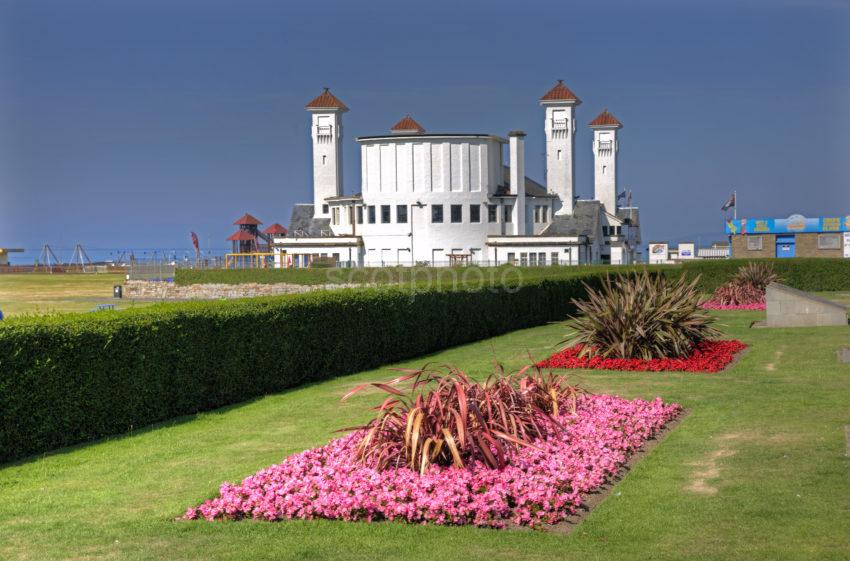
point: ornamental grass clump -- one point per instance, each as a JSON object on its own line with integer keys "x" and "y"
{"x": 446, "y": 418}
{"x": 746, "y": 290}
{"x": 641, "y": 316}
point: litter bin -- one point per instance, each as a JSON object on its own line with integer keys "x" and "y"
{"x": 117, "y": 291}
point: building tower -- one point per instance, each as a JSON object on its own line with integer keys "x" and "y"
{"x": 326, "y": 131}
{"x": 605, "y": 150}
{"x": 559, "y": 104}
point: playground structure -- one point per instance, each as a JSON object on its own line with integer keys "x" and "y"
{"x": 4, "y": 254}
{"x": 251, "y": 247}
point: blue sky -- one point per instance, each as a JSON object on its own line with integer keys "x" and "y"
{"x": 130, "y": 124}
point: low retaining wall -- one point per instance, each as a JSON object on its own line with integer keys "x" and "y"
{"x": 170, "y": 291}
{"x": 789, "y": 307}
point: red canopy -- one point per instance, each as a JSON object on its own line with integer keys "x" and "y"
{"x": 275, "y": 229}
{"x": 241, "y": 236}
{"x": 247, "y": 219}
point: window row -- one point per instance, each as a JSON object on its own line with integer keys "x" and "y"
{"x": 456, "y": 214}
{"x": 533, "y": 259}
{"x": 612, "y": 230}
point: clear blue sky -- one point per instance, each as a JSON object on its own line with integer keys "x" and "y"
{"x": 129, "y": 124}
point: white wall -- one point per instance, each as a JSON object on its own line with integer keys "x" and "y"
{"x": 326, "y": 132}
{"x": 605, "y": 150}
{"x": 559, "y": 127}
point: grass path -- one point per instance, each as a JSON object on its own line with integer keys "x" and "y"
{"x": 757, "y": 470}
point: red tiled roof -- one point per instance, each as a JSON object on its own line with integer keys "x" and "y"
{"x": 560, "y": 92}
{"x": 240, "y": 236}
{"x": 326, "y": 100}
{"x": 605, "y": 119}
{"x": 407, "y": 124}
{"x": 247, "y": 219}
{"x": 275, "y": 229}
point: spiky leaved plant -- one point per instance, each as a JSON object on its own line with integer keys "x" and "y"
{"x": 756, "y": 274}
{"x": 641, "y": 316}
{"x": 446, "y": 418}
{"x": 747, "y": 286}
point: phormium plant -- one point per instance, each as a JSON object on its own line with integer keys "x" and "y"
{"x": 747, "y": 286}
{"x": 641, "y": 316}
{"x": 447, "y": 418}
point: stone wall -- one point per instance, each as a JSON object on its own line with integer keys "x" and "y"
{"x": 740, "y": 251}
{"x": 789, "y": 307}
{"x": 807, "y": 246}
{"x": 153, "y": 290}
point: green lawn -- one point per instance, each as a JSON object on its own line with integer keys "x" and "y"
{"x": 757, "y": 470}
{"x": 39, "y": 293}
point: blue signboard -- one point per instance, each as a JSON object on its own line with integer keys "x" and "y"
{"x": 794, "y": 224}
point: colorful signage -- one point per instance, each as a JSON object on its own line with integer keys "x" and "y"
{"x": 794, "y": 224}
{"x": 847, "y": 245}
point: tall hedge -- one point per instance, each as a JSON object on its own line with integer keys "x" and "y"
{"x": 71, "y": 378}
{"x": 811, "y": 274}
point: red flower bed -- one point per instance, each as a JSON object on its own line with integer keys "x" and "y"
{"x": 708, "y": 356}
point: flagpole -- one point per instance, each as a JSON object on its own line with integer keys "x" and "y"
{"x": 735, "y": 212}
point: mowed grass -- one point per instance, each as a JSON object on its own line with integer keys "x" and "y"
{"x": 756, "y": 470}
{"x": 41, "y": 293}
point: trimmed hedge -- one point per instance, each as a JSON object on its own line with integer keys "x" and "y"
{"x": 71, "y": 378}
{"x": 812, "y": 274}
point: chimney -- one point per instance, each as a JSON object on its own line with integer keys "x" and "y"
{"x": 516, "y": 148}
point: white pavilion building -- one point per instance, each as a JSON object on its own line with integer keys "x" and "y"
{"x": 449, "y": 198}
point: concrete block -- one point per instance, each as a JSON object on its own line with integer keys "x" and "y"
{"x": 789, "y": 307}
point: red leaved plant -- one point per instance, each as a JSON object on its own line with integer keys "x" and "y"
{"x": 446, "y": 418}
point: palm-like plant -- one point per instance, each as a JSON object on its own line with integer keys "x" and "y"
{"x": 641, "y": 316}
{"x": 446, "y": 418}
{"x": 755, "y": 274}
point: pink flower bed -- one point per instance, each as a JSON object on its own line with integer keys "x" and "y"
{"x": 715, "y": 305}
{"x": 539, "y": 486}
{"x": 708, "y": 356}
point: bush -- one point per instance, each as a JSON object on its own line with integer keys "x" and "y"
{"x": 810, "y": 274}
{"x": 644, "y": 316}
{"x": 70, "y": 378}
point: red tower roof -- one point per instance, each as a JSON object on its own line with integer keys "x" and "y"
{"x": 605, "y": 119}
{"x": 275, "y": 229}
{"x": 326, "y": 100}
{"x": 560, "y": 92}
{"x": 407, "y": 124}
{"x": 247, "y": 219}
{"x": 241, "y": 236}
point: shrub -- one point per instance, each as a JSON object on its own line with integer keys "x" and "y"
{"x": 811, "y": 274}
{"x": 745, "y": 289}
{"x": 756, "y": 274}
{"x": 446, "y": 418}
{"x": 641, "y": 316}
{"x": 70, "y": 378}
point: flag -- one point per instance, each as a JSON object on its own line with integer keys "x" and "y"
{"x": 195, "y": 242}
{"x": 729, "y": 204}
{"x": 621, "y": 195}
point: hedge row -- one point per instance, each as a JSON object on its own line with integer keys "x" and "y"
{"x": 813, "y": 274}
{"x": 71, "y": 378}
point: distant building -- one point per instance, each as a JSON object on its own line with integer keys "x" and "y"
{"x": 449, "y": 198}
{"x": 795, "y": 236}
{"x": 4, "y": 254}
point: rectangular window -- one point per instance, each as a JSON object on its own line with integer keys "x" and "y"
{"x": 506, "y": 216}
{"x": 511, "y": 258}
{"x": 541, "y": 258}
{"x": 324, "y": 209}
{"x": 523, "y": 260}
{"x": 829, "y": 241}
{"x": 544, "y": 214}
{"x": 371, "y": 209}
{"x": 401, "y": 214}
{"x": 335, "y": 216}
{"x": 754, "y": 243}
{"x": 532, "y": 259}
{"x": 457, "y": 213}
{"x": 604, "y": 230}
{"x": 475, "y": 213}
{"x": 536, "y": 214}
{"x": 360, "y": 215}
{"x": 554, "y": 256}
{"x": 385, "y": 214}
{"x": 492, "y": 213}
{"x": 437, "y": 214}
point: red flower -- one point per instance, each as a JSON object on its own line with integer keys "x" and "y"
{"x": 708, "y": 356}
